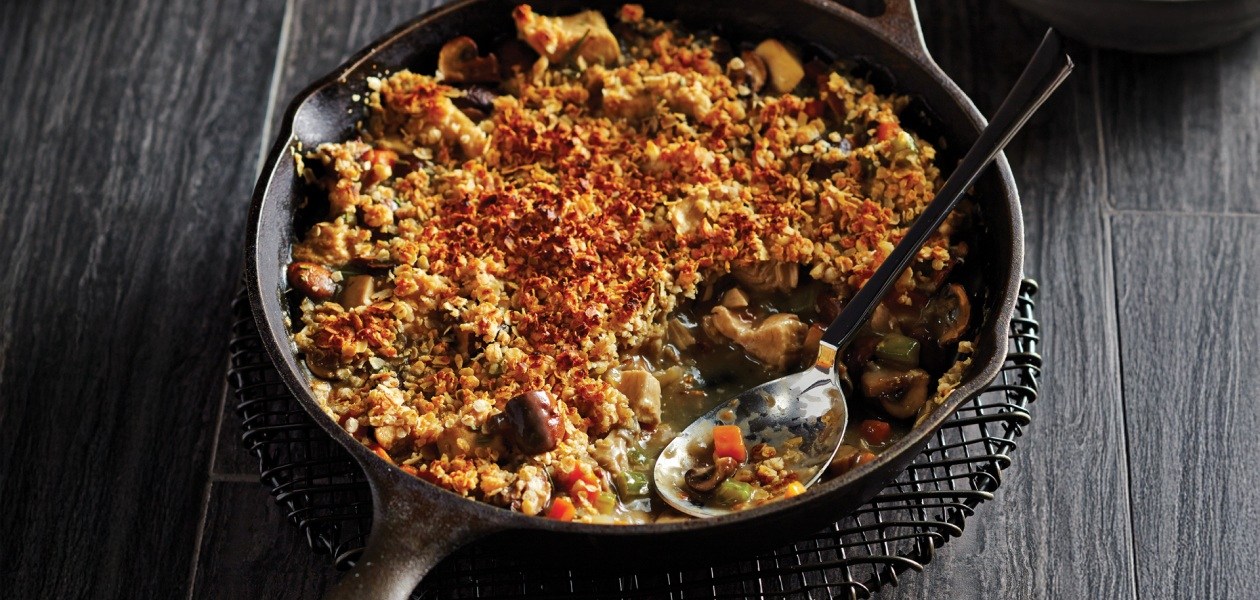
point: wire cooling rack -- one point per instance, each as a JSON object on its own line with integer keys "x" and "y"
{"x": 325, "y": 494}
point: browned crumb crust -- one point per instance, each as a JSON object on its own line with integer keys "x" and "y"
{"x": 534, "y": 247}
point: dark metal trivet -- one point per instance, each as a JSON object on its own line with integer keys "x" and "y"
{"x": 326, "y": 495}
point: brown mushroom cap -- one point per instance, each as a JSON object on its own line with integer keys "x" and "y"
{"x": 750, "y": 71}
{"x": 530, "y": 422}
{"x": 706, "y": 479}
{"x": 460, "y": 62}
{"x": 949, "y": 313}
{"x": 313, "y": 279}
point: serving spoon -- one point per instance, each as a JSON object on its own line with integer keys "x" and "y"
{"x": 811, "y": 405}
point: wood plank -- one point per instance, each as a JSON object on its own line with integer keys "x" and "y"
{"x": 1059, "y": 526}
{"x": 130, "y": 152}
{"x": 1190, "y": 320}
{"x": 1183, "y": 132}
{"x": 251, "y": 551}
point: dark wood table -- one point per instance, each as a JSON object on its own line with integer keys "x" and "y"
{"x": 130, "y": 141}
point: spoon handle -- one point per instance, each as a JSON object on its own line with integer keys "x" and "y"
{"x": 1048, "y": 68}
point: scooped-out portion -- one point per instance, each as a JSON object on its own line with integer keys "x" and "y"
{"x": 539, "y": 262}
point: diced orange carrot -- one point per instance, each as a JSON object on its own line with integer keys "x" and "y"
{"x": 793, "y": 489}
{"x": 728, "y": 441}
{"x": 875, "y": 431}
{"x": 581, "y": 482}
{"x": 410, "y": 470}
{"x": 380, "y": 451}
{"x": 864, "y": 458}
{"x": 885, "y": 131}
{"x": 580, "y": 473}
{"x": 562, "y": 509}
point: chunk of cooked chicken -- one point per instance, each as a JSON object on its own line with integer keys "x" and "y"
{"x": 776, "y": 340}
{"x": 457, "y": 440}
{"x": 636, "y": 97}
{"x": 644, "y": 392}
{"x": 583, "y": 35}
{"x": 769, "y": 276}
{"x": 422, "y": 110}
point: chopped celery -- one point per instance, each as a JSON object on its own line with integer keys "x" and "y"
{"x": 898, "y": 350}
{"x": 606, "y": 503}
{"x": 633, "y": 484}
{"x": 636, "y": 457}
{"x": 732, "y": 492}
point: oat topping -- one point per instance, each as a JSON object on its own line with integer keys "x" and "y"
{"x": 534, "y": 235}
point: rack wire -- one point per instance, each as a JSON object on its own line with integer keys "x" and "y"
{"x": 326, "y": 495}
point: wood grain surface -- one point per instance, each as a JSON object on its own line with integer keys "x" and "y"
{"x": 1183, "y": 132}
{"x": 1060, "y": 524}
{"x": 1189, "y": 309}
{"x": 131, "y": 142}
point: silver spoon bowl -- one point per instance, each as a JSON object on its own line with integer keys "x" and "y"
{"x": 807, "y": 411}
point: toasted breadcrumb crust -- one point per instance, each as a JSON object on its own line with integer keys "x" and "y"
{"x": 539, "y": 244}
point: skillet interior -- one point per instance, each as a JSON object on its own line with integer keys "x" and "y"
{"x": 326, "y": 112}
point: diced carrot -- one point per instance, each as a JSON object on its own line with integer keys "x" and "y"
{"x": 885, "y": 131}
{"x": 562, "y": 509}
{"x": 410, "y": 470}
{"x": 864, "y": 458}
{"x": 579, "y": 473}
{"x": 728, "y": 441}
{"x": 581, "y": 482}
{"x": 876, "y": 432}
{"x": 380, "y": 451}
{"x": 793, "y": 489}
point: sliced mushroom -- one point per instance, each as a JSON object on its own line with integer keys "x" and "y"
{"x": 706, "y": 479}
{"x": 313, "y": 279}
{"x": 644, "y": 392}
{"x": 948, "y": 314}
{"x": 477, "y": 102}
{"x": 878, "y": 381}
{"x": 785, "y": 68}
{"x": 460, "y": 62}
{"x": 910, "y": 402}
{"x": 358, "y": 292}
{"x": 376, "y": 266}
{"x": 322, "y": 367}
{"x": 749, "y": 69}
{"x": 901, "y": 393}
{"x": 530, "y": 422}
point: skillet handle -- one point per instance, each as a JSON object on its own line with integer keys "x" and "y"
{"x": 899, "y": 22}
{"x": 410, "y": 534}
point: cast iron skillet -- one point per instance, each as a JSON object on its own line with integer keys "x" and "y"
{"x": 415, "y": 523}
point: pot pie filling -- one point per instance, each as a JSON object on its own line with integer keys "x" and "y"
{"x": 542, "y": 261}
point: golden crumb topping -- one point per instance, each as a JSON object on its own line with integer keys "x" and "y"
{"x": 535, "y": 235}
